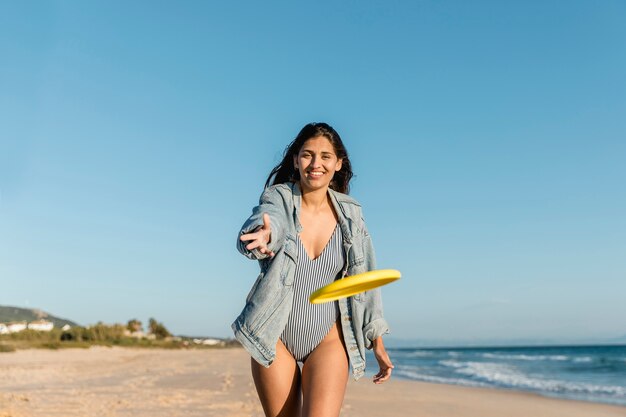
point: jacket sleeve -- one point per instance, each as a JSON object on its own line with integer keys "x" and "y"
{"x": 374, "y": 324}
{"x": 272, "y": 203}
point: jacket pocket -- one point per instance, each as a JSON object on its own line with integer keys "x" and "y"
{"x": 356, "y": 256}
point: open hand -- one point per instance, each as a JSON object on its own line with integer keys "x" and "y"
{"x": 260, "y": 238}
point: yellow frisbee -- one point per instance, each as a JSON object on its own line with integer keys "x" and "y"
{"x": 354, "y": 284}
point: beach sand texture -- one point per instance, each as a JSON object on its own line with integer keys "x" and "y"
{"x": 101, "y": 382}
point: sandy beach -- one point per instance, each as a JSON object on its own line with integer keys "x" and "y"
{"x": 154, "y": 382}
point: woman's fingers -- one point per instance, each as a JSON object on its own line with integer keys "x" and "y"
{"x": 254, "y": 244}
{"x": 260, "y": 238}
{"x": 247, "y": 236}
{"x": 261, "y": 246}
{"x": 382, "y": 376}
{"x": 262, "y": 232}
{"x": 251, "y": 237}
{"x": 267, "y": 252}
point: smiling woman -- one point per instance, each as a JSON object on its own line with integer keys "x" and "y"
{"x": 307, "y": 232}
{"x": 316, "y": 164}
{"x": 287, "y": 171}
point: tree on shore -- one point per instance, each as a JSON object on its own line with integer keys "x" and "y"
{"x": 134, "y": 326}
{"x": 158, "y": 329}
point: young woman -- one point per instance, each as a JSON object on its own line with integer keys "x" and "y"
{"x": 306, "y": 232}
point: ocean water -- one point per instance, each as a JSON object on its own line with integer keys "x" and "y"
{"x": 589, "y": 373}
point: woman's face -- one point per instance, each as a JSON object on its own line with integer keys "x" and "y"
{"x": 317, "y": 163}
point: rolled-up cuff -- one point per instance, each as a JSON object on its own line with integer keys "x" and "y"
{"x": 373, "y": 330}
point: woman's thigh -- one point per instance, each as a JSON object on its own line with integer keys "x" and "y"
{"x": 279, "y": 385}
{"x": 324, "y": 377}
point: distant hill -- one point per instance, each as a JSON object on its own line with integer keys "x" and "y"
{"x": 9, "y": 314}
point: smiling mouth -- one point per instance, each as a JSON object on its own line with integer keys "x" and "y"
{"x": 315, "y": 174}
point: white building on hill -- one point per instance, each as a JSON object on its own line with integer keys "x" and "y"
{"x": 18, "y": 326}
{"x": 41, "y": 325}
{"x": 15, "y": 327}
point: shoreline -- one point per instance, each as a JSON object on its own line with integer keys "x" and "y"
{"x": 509, "y": 390}
{"x": 103, "y": 381}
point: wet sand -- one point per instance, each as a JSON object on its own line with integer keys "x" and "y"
{"x": 103, "y": 382}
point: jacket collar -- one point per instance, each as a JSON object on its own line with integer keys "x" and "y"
{"x": 297, "y": 202}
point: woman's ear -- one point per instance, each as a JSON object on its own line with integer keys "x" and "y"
{"x": 338, "y": 165}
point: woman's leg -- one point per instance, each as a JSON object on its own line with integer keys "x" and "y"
{"x": 279, "y": 385}
{"x": 324, "y": 377}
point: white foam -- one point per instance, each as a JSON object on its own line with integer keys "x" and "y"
{"x": 526, "y": 357}
{"x": 451, "y": 364}
{"x": 509, "y": 376}
{"x": 420, "y": 354}
{"x": 438, "y": 379}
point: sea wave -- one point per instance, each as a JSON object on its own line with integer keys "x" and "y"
{"x": 509, "y": 376}
{"x": 591, "y": 373}
{"x": 417, "y": 376}
{"x": 526, "y": 357}
{"x": 420, "y": 354}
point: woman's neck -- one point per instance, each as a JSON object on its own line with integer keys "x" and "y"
{"x": 315, "y": 200}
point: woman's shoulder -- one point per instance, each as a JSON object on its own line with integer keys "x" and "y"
{"x": 349, "y": 206}
{"x": 280, "y": 188}
{"x": 277, "y": 192}
{"x": 345, "y": 198}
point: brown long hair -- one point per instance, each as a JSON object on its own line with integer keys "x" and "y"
{"x": 286, "y": 172}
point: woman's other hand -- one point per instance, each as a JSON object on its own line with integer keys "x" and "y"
{"x": 384, "y": 363}
{"x": 260, "y": 238}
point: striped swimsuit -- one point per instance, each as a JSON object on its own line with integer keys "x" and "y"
{"x": 309, "y": 323}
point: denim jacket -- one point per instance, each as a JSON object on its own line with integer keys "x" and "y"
{"x": 269, "y": 302}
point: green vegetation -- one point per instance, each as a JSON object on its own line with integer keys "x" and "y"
{"x": 134, "y": 325}
{"x": 131, "y": 334}
{"x": 100, "y": 335}
{"x": 158, "y": 329}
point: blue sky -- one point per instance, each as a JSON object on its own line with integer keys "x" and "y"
{"x": 487, "y": 139}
